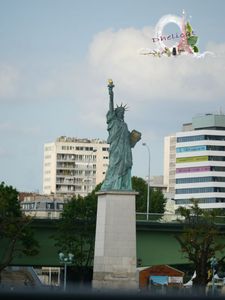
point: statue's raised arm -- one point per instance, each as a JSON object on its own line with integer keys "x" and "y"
{"x": 111, "y": 95}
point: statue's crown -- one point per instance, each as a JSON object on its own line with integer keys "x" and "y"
{"x": 122, "y": 107}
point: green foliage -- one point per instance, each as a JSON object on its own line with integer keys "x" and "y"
{"x": 77, "y": 228}
{"x": 191, "y": 38}
{"x": 139, "y": 185}
{"x": 15, "y": 234}
{"x": 157, "y": 201}
{"x": 195, "y": 48}
{"x": 188, "y": 29}
{"x": 199, "y": 239}
{"x": 9, "y": 204}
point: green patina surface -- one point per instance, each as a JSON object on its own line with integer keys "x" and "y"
{"x": 121, "y": 140}
{"x": 156, "y": 244}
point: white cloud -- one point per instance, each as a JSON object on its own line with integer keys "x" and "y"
{"x": 149, "y": 85}
{"x": 115, "y": 54}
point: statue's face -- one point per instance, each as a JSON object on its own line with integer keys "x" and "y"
{"x": 120, "y": 112}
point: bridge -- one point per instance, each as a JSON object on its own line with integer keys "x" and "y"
{"x": 156, "y": 243}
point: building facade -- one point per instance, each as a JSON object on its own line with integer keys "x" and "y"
{"x": 74, "y": 166}
{"x": 200, "y": 162}
{"x": 43, "y": 206}
{"x": 169, "y": 163}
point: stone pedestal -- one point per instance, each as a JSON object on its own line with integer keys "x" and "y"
{"x": 115, "y": 241}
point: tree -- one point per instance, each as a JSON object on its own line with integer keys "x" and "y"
{"x": 157, "y": 200}
{"x": 199, "y": 240}
{"x": 76, "y": 230}
{"x": 15, "y": 233}
{"x": 140, "y": 186}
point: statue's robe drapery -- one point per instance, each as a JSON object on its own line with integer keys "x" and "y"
{"x": 118, "y": 176}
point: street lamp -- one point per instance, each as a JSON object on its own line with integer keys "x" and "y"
{"x": 144, "y": 144}
{"x": 65, "y": 260}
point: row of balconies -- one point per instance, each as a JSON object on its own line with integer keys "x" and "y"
{"x": 72, "y": 158}
{"x": 75, "y": 166}
{"x": 74, "y": 188}
{"x": 74, "y": 181}
{"x": 81, "y": 173}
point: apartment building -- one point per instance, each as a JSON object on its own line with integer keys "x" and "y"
{"x": 200, "y": 162}
{"x": 43, "y": 206}
{"x": 169, "y": 167}
{"x": 74, "y": 166}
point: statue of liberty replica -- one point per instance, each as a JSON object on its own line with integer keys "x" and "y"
{"x": 115, "y": 239}
{"x": 121, "y": 140}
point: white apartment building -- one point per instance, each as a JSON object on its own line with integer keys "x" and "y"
{"x": 169, "y": 167}
{"x": 200, "y": 162}
{"x": 74, "y": 166}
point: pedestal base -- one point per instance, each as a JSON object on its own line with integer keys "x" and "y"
{"x": 115, "y": 242}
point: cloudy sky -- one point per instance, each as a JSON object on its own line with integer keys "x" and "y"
{"x": 57, "y": 55}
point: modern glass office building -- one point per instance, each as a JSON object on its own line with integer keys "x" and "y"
{"x": 200, "y": 162}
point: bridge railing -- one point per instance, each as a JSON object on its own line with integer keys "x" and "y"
{"x": 170, "y": 218}
{"x": 156, "y": 217}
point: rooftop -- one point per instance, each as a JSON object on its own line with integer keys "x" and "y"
{"x": 78, "y": 140}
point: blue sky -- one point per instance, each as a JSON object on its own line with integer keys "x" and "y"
{"x": 57, "y": 55}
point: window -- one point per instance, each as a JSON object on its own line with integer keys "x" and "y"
{"x": 190, "y": 138}
{"x": 50, "y": 205}
{"x": 200, "y": 200}
{"x": 190, "y": 149}
{"x": 59, "y": 206}
{"x": 217, "y": 169}
{"x": 201, "y": 190}
{"x": 217, "y": 158}
{"x": 193, "y": 169}
{"x": 200, "y": 179}
{"x": 200, "y": 138}
{"x": 48, "y": 148}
